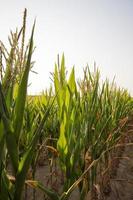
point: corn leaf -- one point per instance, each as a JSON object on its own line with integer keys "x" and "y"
{"x": 22, "y": 90}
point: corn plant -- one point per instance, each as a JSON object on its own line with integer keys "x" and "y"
{"x": 89, "y": 122}
{"x": 13, "y": 91}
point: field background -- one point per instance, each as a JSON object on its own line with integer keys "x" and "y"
{"x": 73, "y": 139}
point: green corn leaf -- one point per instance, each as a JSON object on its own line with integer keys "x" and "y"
{"x": 5, "y": 190}
{"x": 15, "y": 90}
{"x": 67, "y": 98}
{"x": 62, "y": 71}
{"x": 27, "y": 157}
{"x": 52, "y": 195}
{"x": 62, "y": 142}
{"x": 22, "y": 90}
{"x": 10, "y": 139}
{"x": 9, "y": 97}
{"x": 56, "y": 84}
{"x": 71, "y": 81}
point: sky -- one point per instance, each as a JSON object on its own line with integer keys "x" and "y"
{"x": 84, "y": 30}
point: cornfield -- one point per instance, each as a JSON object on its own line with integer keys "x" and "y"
{"x": 77, "y": 123}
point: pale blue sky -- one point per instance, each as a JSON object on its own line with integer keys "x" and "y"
{"x": 85, "y": 30}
